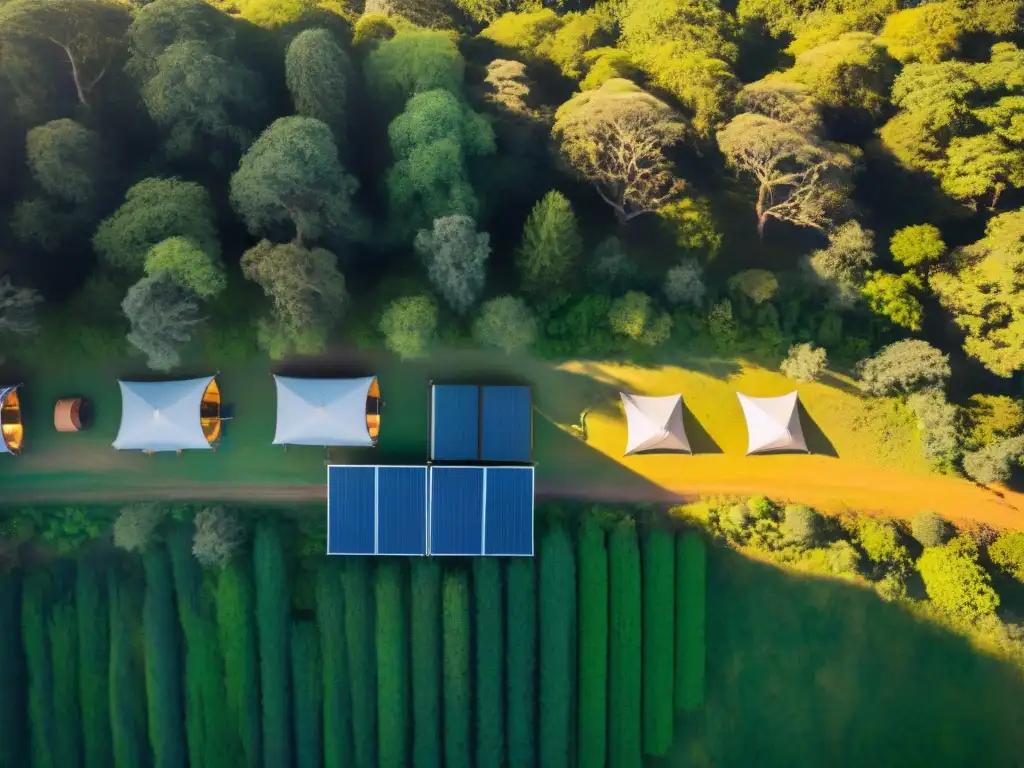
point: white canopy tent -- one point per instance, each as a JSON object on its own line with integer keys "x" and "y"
{"x": 654, "y": 423}
{"x": 324, "y": 412}
{"x": 162, "y": 415}
{"x": 773, "y": 423}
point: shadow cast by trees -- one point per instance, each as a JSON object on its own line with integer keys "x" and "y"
{"x": 805, "y": 671}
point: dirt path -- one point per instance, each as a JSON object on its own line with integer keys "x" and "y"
{"x": 884, "y": 493}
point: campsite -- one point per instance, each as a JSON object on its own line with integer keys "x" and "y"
{"x": 511, "y": 384}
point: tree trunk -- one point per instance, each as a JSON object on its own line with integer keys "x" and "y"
{"x": 995, "y": 197}
{"x": 760, "y": 208}
{"x": 76, "y": 76}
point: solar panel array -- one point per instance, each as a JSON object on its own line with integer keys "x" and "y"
{"x": 481, "y": 423}
{"x": 462, "y": 511}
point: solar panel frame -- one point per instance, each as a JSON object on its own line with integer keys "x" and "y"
{"x": 506, "y": 423}
{"x": 506, "y": 526}
{"x": 484, "y": 474}
{"x": 404, "y": 520}
{"x": 331, "y": 488}
{"x": 455, "y": 417}
{"x": 466, "y": 512}
{"x": 376, "y": 494}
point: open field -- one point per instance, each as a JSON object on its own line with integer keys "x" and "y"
{"x": 867, "y": 453}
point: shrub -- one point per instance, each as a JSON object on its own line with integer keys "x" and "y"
{"x": 557, "y": 601}
{"x": 691, "y": 619}
{"x": 625, "y": 648}
{"x": 804, "y": 362}
{"x": 67, "y": 721}
{"x": 635, "y": 317}
{"x": 938, "y": 422}
{"x": 408, "y": 325}
{"x": 127, "y": 679}
{"x": 658, "y": 641}
{"x": 425, "y": 632}
{"x": 551, "y": 245}
{"x": 843, "y": 558}
{"x": 762, "y": 508}
{"x": 163, "y": 654}
{"x": 13, "y": 695}
{"x": 273, "y": 607}
{"x": 929, "y": 529}
{"x": 722, "y": 327}
{"x": 135, "y": 527}
{"x": 307, "y": 694}
{"x": 506, "y": 323}
{"x": 916, "y": 245}
{"x": 880, "y": 541}
{"x": 93, "y": 665}
{"x": 758, "y": 285}
{"x": 521, "y": 608}
{"x": 892, "y": 587}
{"x": 739, "y": 516}
{"x": 992, "y": 417}
{"x": 955, "y": 581}
{"x": 457, "y": 651}
{"x": 611, "y": 264}
{"x": 801, "y": 524}
{"x": 904, "y": 367}
{"x": 218, "y": 537}
{"x": 684, "y": 283}
{"x": 455, "y": 255}
{"x": 67, "y": 529}
{"x": 362, "y": 669}
{"x": 35, "y": 600}
{"x": 593, "y": 665}
{"x": 489, "y": 639}
{"x": 1007, "y": 552}
{"x": 235, "y": 604}
{"x": 994, "y": 463}
{"x": 392, "y": 665}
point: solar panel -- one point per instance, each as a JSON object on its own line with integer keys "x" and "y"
{"x": 506, "y": 424}
{"x": 455, "y": 422}
{"x": 481, "y": 511}
{"x": 376, "y": 510}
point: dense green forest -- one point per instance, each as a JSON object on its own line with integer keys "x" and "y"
{"x": 155, "y": 636}
{"x": 808, "y": 184}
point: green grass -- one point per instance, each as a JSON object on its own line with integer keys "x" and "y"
{"x": 800, "y": 667}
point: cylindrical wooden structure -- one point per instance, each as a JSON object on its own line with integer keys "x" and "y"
{"x": 67, "y": 414}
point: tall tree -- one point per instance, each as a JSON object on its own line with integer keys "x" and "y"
{"x": 456, "y": 257}
{"x": 163, "y": 315}
{"x": 162, "y": 23}
{"x": 206, "y": 105}
{"x": 153, "y": 210}
{"x": 18, "y": 308}
{"x": 983, "y": 292}
{"x": 189, "y": 266}
{"x": 318, "y": 72}
{"x": 84, "y": 34}
{"x": 292, "y": 176}
{"x": 799, "y": 180}
{"x": 434, "y": 141}
{"x": 616, "y": 137}
{"x": 551, "y": 246}
{"x": 67, "y": 160}
{"x": 843, "y": 265}
{"x": 414, "y": 61}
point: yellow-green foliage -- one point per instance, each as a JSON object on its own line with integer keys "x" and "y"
{"x": 562, "y": 40}
{"x": 928, "y": 32}
{"x": 1007, "y": 552}
{"x": 604, "y": 64}
{"x": 955, "y": 581}
{"x": 992, "y": 417}
{"x": 370, "y": 29}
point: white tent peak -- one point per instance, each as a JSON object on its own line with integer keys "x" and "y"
{"x": 654, "y": 423}
{"x": 773, "y": 423}
{"x": 324, "y": 412}
{"x": 162, "y": 415}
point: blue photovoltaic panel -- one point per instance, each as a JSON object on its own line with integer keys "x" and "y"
{"x": 350, "y": 510}
{"x": 509, "y": 511}
{"x": 456, "y": 510}
{"x": 401, "y": 510}
{"x": 506, "y": 428}
{"x": 455, "y": 422}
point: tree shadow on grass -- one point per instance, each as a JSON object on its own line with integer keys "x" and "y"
{"x": 807, "y": 671}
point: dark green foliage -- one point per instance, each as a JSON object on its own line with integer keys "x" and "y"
{"x": 13, "y": 696}
{"x": 659, "y": 639}
{"x": 624, "y": 648}
{"x": 330, "y": 617}
{"x": 127, "y": 674}
{"x": 212, "y": 735}
{"x": 359, "y": 638}
{"x": 307, "y": 695}
{"x": 557, "y": 646}
{"x": 236, "y": 624}
{"x": 521, "y": 625}
{"x": 691, "y": 619}
{"x": 425, "y": 634}
{"x": 593, "y": 661}
{"x": 67, "y": 719}
{"x": 273, "y": 603}
{"x": 490, "y": 661}
{"x": 93, "y": 663}
{"x": 392, "y": 666}
{"x": 34, "y": 639}
{"x": 163, "y": 663}
{"x": 457, "y": 690}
